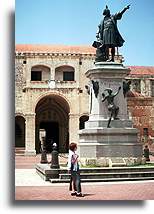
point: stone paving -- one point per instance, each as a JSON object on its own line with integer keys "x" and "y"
{"x": 30, "y": 186}
{"x": 122, "y": 191}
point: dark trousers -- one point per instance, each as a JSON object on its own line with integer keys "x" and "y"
{"x": 75, "y": 179}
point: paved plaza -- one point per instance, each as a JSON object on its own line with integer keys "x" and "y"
{"x": 30, "y": 186}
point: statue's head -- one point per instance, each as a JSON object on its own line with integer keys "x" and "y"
{"x": 106, "y": 11}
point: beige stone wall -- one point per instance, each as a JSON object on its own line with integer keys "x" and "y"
{"x": 84, "y": 98}
{"x": 29, "y": 93}
{"x": 20, "y": 81}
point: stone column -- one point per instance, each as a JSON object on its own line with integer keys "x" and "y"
{"x": 148, "y": 88}
{"x": 73, "y": 128}
{"x": 52, "y": 80}
{"x": 143, "y": 87}
{"x": 28, "y": 75}
{"x": 30, "y": 135}
{"x": 52, "y": 73}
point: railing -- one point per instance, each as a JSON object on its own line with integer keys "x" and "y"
{"x": 52, "y": 84}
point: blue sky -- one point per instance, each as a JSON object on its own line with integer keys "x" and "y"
{"x": 74, "y": 22}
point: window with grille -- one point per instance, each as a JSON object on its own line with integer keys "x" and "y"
{"x": 68, "y": 76}
{"x": 36, "y": 75}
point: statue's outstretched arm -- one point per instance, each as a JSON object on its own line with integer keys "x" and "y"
{"x": 118, "y": 16}
{"x": 126, "y": 8}
{"x": 117, "y": 91}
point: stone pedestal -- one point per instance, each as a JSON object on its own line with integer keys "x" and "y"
{"x": 97, "y": 143}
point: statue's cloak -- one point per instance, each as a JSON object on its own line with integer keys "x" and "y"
{"x": 109, "y": 33}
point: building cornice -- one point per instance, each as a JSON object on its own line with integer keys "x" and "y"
{"x": 41, "y": 54}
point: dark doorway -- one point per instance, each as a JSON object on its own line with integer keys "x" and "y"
{"x": 19, "y": 131}
{"x": 52, "y": 134}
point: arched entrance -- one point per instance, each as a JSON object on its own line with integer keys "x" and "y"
{"x": 19, "y": 131}
{"x": 52, "y": 114}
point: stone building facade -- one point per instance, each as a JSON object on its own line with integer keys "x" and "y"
{"x": 141, "y": 102}
{"x": 50, "y": 94}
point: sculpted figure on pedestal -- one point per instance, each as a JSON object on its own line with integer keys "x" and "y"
{"x": 108, "y": 36}
{"x": 111, "y": 105}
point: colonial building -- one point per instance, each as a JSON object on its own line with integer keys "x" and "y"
{"x": 50, "y": 94}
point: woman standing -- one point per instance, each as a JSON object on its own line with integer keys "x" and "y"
{"x": 73, "y": 169}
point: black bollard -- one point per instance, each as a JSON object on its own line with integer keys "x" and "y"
{"x": 43, "y": 153}
{"x": 54, "y": 159}
{"x": 146, "y": 153}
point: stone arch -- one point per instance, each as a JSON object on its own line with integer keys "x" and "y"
{"x": 52, "y": 114}
{"x": 40, "y": 64}
{"x": 19, "y": 131}
{"x": 61, "y": 64}
{"x": 52, "y": 93}
{"x": 40, "y": 72}
{"x": 65, "y": 73}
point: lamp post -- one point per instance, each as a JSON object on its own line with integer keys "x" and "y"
{"x": 42, "y": 133}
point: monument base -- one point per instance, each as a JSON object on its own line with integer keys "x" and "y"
{"x": 112, "y": 162}
{"x": 101, "y": 146}
{"x": 121, "y": 123}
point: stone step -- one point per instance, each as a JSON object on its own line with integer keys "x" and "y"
{"x": 47, "y": 173}
{"x": 19, "y": 148}
{"x": 102, "y": 179}
{"x": 112, "y": 170}
{"x": 19, "y": 151}
{"x": 110, "y": 175}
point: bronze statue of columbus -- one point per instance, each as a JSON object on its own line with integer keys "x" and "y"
{"x": 108, "y": 36}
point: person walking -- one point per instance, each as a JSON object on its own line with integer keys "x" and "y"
{"x": 73, "y": 169}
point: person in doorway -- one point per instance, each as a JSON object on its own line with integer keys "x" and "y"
{"x": 73, "y": 169}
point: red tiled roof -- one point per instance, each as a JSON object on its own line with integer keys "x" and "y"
{"x": 142, "y": 70}
{"x": 55, "y": 49}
